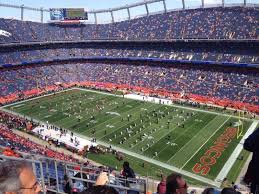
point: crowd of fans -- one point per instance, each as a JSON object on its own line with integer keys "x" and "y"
{"x": 214, "y": 82}
{"x": 14, "y": 142}
{"x": 12, "y": 121}
{"x": 209, "y": 23}
{"x": 179, "y": 54}
{"x": 102, "y": 184}
{"x": 228, "y": 83}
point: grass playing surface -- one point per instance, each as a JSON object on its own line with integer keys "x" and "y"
{"x": 176, "y": 136}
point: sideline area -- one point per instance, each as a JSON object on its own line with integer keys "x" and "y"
{"x": 226, "y": 168}
{"x": 215, "y": 182}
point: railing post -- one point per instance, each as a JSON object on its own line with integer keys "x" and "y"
{"x": 202, "y": 3}
{"x": 56, "y": 174}
{"x": 128, "y": 13}
{"x": 183, "y": 4}
{"x": 42, "y": 178}
{"x": 41, "y": 14}
{"x": 223, "y": 3}
{"x": 164, "y": 4}
{"x": 66, "y": 169}
{"x": 81, "y": 171}
{"x": 147, "y": 185}
{"x": 147, "y": 9}
{"x": 112, "y": 16}
{"x": 47, "y": 170}
{"x": 22, "y": 12}
{"x": 95, "y": 18}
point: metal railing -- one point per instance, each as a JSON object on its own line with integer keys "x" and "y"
{"x": 48, "y": 172}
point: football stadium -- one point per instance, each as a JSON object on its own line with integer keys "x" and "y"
{"x": 153, "y": 96}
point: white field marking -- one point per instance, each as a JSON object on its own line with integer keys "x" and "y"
{"x": 98, "y": 92}
{"x": 148, "y": 128}
{"x": 191, "y": 139}
{"x": 205, "y": 180}
{"x": 228, "y": 165}
{"x": 205, "y": 142}
{"x": 150, "y": 99}
{"x": 161, "y": 137}
{"x": 86, "y": 118}
{"x": 139, "y": 156}
{"x": 118, "y": 122}
{"x": 74, "y": 119}
{"x": 177, "y": 137}
{"x": 159, "y": 163}
{"x": 107, "y": 108}
{"x": 18, "y": 105}
{"x": 36, "y": 98}
{"x": 135, "y": 97}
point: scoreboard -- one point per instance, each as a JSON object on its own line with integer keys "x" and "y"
{"x": 68, "y": 14}
{"x": 75, "y": 14}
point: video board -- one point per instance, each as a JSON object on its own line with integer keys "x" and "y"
{"x": 68, "y": 14}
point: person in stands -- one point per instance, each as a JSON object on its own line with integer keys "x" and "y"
{"x": 127, "y": 171}
{"x": 252, "y": 175}
{"x": 175, "y": 184}
{"x": 100, "y": 189}
{"x": 211, "y": 191}
{"x": 161, "y": 187}
{"x": 229, "y": 190}
{"x": 67, "y": 184}
{"x": 17, "y": 177}
{"x": 102, "y": 179}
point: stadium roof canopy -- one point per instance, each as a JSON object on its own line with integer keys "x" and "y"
{"x": 94, "y": 14}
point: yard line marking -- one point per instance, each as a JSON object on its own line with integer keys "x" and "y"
{"x": 137, "y": 97}
{"x": 66, "y": 120}
{"x": 107, "y": 108}
{"x": 194, "y": 109}
{"x": 145, "y": 130}
{"x": 192, "y": 138}
{"x": 159, "y": 163}
{"x": 178, "y": 136}
{"x": 139, "y": 156}
{"x": 205, "y": 142}
{"x": 160, "y": 137}
{"x": 130, "y": 96}
{"x": 116, "y": 129}
{"x": 36, "y": 98}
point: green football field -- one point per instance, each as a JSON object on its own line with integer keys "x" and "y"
{"x": 181, "y": 137}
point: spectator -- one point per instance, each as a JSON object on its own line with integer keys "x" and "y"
{"x": 175, "y": 184}
{"x": 102, "y": 179}
{"x": 201, "y": 83}
{"x": 210, "y": 191}
{"x": 161, "y": 187}
{"x": 10, "y": 139}
{"x": 67, "y": 184}
{"x": 252, "y": 145}
{"x": 127, "y": 171}
{"x": 101, "y": 189}
{"x": 229, "y": 190}
{"x": 209, "y": 23}
{"x": 17, "y": 177}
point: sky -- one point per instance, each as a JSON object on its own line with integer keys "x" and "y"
{"x": 98, "y": 4}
